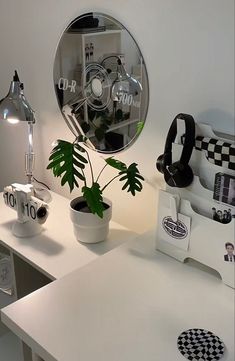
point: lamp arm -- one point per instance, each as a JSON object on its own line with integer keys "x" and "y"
{"x": 112, "y": 56}
{"x": 74, "y": 125}
{"x": 30, "y": 156}
{"x": 119, "y": 65}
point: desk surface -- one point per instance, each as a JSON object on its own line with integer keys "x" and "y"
{"x": 130, "y": 304}
{"x": 55, "y": 252}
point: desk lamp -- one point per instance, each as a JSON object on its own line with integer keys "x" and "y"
{"x": 31, "y": 211}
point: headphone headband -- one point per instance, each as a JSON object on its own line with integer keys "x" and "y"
{"x": 188, "y": 143}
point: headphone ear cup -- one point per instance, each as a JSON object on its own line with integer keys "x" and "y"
{"x": 188, "y": 176}
{"x": 161, "y": 167}
{"x": 178, "y": 175}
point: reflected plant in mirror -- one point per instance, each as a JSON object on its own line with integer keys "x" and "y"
{"x": 101, "y": 82}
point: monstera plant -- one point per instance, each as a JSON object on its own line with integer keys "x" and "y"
{"x": 69, "y": 160}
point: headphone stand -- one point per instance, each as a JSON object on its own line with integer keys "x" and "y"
{"x": 208, "y": 238}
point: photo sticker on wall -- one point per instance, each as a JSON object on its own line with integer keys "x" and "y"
{"x": 230, "y": 255}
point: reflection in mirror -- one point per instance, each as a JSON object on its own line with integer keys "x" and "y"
{"x": 101, "y": 82}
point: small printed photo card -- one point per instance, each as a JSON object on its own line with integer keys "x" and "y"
{"x": 224, "y": 188}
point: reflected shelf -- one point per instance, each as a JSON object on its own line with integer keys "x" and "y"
{"x": 115, "y": 126}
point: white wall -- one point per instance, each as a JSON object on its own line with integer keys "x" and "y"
{"x": 188, "y": 46}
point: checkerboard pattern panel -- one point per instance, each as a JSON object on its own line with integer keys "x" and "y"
{"x": 217, "y": 152}
{"x": 200, "y": 345}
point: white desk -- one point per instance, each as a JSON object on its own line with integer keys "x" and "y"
{"x": 55, "y": 252}
{"x": 130, "y": 304}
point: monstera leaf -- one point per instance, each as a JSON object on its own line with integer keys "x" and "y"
{"x": 117, "y": 164}
{"x": 93, "y": 197}
{"x": 132, "y": 178}
{"x": 68, "y": 163}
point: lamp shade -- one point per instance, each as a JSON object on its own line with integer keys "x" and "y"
{"x": 14, "y": 107}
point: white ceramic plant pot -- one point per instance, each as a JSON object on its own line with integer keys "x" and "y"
{"x": 88, "y": 227}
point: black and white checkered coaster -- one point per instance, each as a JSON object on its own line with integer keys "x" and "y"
{"x": 197, "y": 344}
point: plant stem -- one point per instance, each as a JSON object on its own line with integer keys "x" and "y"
{"x": 101, "y": 172}
{"x": 89, "y": 161}
{"x": 110, "y": 182}
{"x": 85, "y": 183}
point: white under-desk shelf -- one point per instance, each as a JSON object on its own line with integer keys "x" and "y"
{"x": 10, "y": 348}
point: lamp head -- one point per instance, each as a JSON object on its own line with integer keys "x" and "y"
{"x": 14, "y": 107}
{"x": 125, "y": 83}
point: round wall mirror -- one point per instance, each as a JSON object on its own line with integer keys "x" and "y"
{"x": 101, "y": 82}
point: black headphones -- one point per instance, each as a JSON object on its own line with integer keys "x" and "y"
{"x": 178, "y": 174}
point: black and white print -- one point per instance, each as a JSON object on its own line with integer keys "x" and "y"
{"x": 223, "y": 216}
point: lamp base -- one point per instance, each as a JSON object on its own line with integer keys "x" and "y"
{"x": 26, "y": 229}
